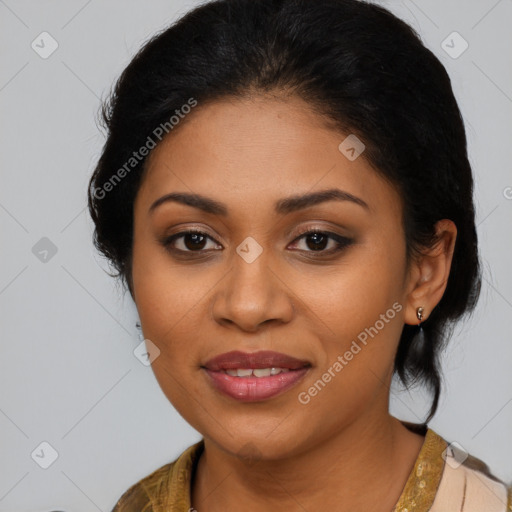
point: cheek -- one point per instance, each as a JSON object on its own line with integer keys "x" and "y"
{"x": 170, "y": 317}
{"x": 172, "y": 302}
{"x": 355, "y": 373}
{"x": 362, "y": 306}
{"x": 356, "y": 294}
{"x": 166, "y": 292}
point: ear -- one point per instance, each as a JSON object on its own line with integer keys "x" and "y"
{"x": 429, "y": 274}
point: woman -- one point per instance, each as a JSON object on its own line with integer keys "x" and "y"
{"x": 285, "y": 191}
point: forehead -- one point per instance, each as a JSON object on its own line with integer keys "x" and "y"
{"x": 247, "y": 151}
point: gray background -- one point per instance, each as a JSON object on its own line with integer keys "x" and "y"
{"x": 68, "y": 375}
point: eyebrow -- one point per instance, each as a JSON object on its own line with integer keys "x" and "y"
{"x": 282, "y": 207}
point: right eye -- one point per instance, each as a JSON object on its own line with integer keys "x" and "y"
{"x": 188, "y": 241}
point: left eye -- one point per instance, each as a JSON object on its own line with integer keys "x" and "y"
{"x": 317, "y": 241}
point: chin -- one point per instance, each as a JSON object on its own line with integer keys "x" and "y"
{"x": 257, "y": 445}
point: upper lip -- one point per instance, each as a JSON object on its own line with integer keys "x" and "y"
{"x": 254, "y": 360}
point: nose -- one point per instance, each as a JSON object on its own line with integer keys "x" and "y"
{"x": 252, "y": 294}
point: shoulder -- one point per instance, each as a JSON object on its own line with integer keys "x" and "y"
{"x": 468, "y": 484}
{"x": 163, "y": 488}
{"x": 140, "y": 497}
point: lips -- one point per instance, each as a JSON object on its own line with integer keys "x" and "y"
{"x": 254, "y": 360}
{"x": 254, "y": 376}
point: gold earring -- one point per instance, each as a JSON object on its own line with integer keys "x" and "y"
{"x": 419, "y": 314}
{"x": 420, "y": 339}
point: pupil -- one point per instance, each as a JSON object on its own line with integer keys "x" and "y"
{"x": 318, "y": 241}
{"x": 196, "y": 238}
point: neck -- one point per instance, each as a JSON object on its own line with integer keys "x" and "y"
{"x": 363, "y": 467}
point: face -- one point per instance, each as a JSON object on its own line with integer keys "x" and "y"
{"x": 328, "y": 305}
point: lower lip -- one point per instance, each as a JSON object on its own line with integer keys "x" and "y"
{"x": 254, "y": 389}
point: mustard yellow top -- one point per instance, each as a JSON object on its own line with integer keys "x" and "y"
{"x": 441, "y": 481}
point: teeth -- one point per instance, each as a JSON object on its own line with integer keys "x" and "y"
{"x": 257, "y": 372}
{"x": 243, "y": 373}
{"x": 261, "y": 372}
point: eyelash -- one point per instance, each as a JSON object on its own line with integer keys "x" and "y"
{"x": 342, "y": 242}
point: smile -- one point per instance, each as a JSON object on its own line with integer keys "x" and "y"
{"x": 253, "y": 377}
{"x": 256, "y": 372}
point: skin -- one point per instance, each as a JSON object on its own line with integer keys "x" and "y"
{"x": 343, "y": 449}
